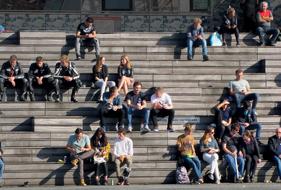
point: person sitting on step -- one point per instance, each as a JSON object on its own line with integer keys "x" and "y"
{"x": 195, "y": 37}
{"x": 274, "y": 144}
{"x": 40, "y": 75}
{"x": 12, "y": 75}
{"x": 100, "y": 74}
{"x": 123, "y": 152}
{"x": 125, "y": 74}
{"x": 79, "y": 147}
{"x": 67, "y": 76}
{"x": 162, "y": 106}
{"x": 86, "y": 36}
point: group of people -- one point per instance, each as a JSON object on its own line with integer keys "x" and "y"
{"x": 267, "y": 34}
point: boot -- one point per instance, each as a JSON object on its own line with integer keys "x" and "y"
{"x": 31, "y": 96}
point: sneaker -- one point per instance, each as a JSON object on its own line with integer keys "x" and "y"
{"x": 170, "y": 129}
{"x": 218, "y": 182}
{"x": 189, "y": 58}
{"x": 201, "y": 181}
{"x": 78, "y": 58}
{"x": 74, "y": 100}
{"x": 126, "y": 182}
{"x": 74, "y": 162}
{"x": 120, "y": 181}
{"x": 146, "y": 127}
{"x": 260, "y": 44}
{"x": 82, "y": 182}
{"x": 211, "y": 176}
{"x": 156, "y": 129}
{"x": 130, "y": 128}
{"x": 237, "y": 44}
{"x": 205, "y": 58}
{"x": 31, "y": 97}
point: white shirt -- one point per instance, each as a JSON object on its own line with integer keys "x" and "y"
{"x": 123, "y": 147}
{"x": 164, "y": 99}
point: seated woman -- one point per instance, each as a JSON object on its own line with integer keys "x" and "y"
{"x": 185, "y": 145}
{"x": 112, "y": 107}
{"x": 250, "y": 150}
{"x": 100, "y": 73}
{"x": 125, "y": 74}
{"x": 229, "y": 25}
{"x": 102, "y": 148}
{"x": 209, "y": 147}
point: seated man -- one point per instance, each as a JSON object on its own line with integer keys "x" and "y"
{"x": 248, "y": 120}
{"x": 40, "y": 75}
{"x": 162, "y": 106}
{"x": 123, "y": 152}
{"x": 264, "y": 19}
{"x": 137, "y": 107}
{"x": 86, "y": 36}
{"x": 12, "y": 76}
{"x": 233, "y": 158}
{"x": 112, "y": 107}
{"x": 67, "y": 76}
{"x": 195, "y": 37}
{"x": 79, "y": 147}
{"x": 274, "y": 144}
{"x": 240, "y": 89}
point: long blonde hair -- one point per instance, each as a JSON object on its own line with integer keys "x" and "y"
{"x": 207, "y": 135}
{"x": 98, "y": 65}
{"x": 128, "y": 64}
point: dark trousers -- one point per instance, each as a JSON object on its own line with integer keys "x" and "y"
{"x": 99, "y": 167}
{"x": 251, "y": 165}
{"x": 220, "y": 129}
{"x": 74, "y": 84}
{"x": 119, "y": 114}
{"x": 48, "y": 83}
{"x": 20, "y": 84}
{"x": 154, "y": 113}
{"x": 234, "y": 31}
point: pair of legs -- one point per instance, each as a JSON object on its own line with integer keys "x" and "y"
{"x": 125, "y": 83}
{"x": 236, "y": 165}
{"x": 102, "y": 85}
{"x": 154, "y": 113}
{"x": 212, "y": 159}
{"x": 99, "y": 167}
{"x": 144, "y": 114}
{"x": 239, "y": 97}
{"x": 225, "y": 30}
{"x": 20, "y": 84}
{"x": 220, "y": 129}
{"x": 199, "y": 42}
{"x": 128, "y": 161}
{"x": 264, "y": 32}
{"x": 89, "y": 42}
{"x": 48, "y": 83}
{"x": 195, "y": 164}
{"x": 2, "y": 166}
{"x": 74, "y": 84}
{"x": 119, "y": 114}
{"x": 277, "y": 161}
{"x": 251, "y": 165}
{"x": 252, "y": 126}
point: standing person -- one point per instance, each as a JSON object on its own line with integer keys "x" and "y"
{"x": 223, "y": 119}
{"x": 264, "y": 19}
{"x": 240, "y": 89}
{"x": 123, "y": 152}
{"x": 39, "y": 74}
{"x": 185, "y": 143}
{"x": 67, "y": 76}
{"x": 101, "y": 147}
{"x": 233, "y": 157}
{"x": 80, "y": 149}
{"x": 12, "y": 76}
{"x": 162, "y": 106}
{"x": 195, "y": 37}
{"x": 112, "y": 107}
{"x": 209, "y": 147}
{"x": 100, "y": 73}
{"x": 230, "y": 25}
{"x": 86, "y": 36}
{"x": 125, "y": 74}
{"x": 274, "y": 144}
{"x": 251, "y": 152}
{"x": 137, "y": 107}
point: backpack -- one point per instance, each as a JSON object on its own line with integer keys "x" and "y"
{"x": 215, "y": 39}
{"x": 181, "y": 175}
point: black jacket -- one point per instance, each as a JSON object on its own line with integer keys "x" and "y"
{"x": 273, "y": 144}
{"x": 246, "y": 116}
{"x": 61, "y": 71}
{"x": 250, "y": 149}
{"x": 8, "y": 71}
{"x": 124, "y": 71}
{"x": 35, "y": 71}
{"x": 102, "y": 74}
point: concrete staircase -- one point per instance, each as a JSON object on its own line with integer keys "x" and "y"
{"x": 34, "y": 134}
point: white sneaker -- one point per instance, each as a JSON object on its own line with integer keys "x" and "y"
{"x": 146, "y": 127}
{"x": 156, "y": 130}
{"x": 130, "y": 128}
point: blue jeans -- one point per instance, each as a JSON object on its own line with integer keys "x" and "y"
{"x": 252, "y": 126}
{"x": 195, "y": 164}
{"x": 191, "y": 43}
{"x": 231, "y": 162}
{"x": 239, "y": 97}
{"x": 2, "y": 165}
{"x": 277, "y": 161}
{"x": 263, "y": 31}
{"x": 144, "y": 113}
